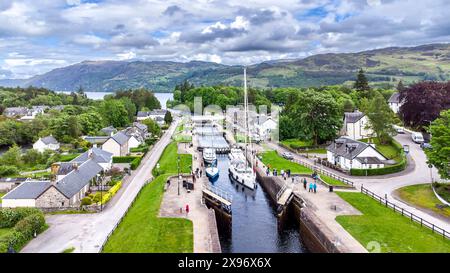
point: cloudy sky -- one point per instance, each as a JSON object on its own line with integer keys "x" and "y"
{"x": 37, "y": 36}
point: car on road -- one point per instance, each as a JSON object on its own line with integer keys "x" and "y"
{"x": 417, "y": 137}
{"x": 426, "y": 145}
{"x": 400, "y": 130}
{"x": 288, "y": 155}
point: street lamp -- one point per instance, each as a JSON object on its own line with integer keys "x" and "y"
{"x": 178, "y": 167}
{"x": 365, "y": 164}
{"x": 430, "y": 166}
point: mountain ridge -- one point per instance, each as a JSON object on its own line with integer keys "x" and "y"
{"x": 384, "y": 66}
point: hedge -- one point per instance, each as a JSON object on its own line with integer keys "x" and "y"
{"x": 124, "y": 159}
{"x": 381, "y": 171}
{"x": 26, "y": 222}
{"x": 10, "y": 217}
{"x": 135, "y": 163}
{"x": 112, "y": 191}
{"x": 8, "y": 170}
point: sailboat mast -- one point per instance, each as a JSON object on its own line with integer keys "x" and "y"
{"x": 246, "y": 114}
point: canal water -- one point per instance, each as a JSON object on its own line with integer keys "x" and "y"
{"x": 254, "y": 220}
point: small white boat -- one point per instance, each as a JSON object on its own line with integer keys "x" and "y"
{"x": 212, "y": 172}
{"x": 209, "y": 155}
{"x": 240, "y": 173}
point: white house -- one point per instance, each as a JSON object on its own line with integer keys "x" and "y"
{"x": 133, "y": 142}
{"x": 394, "y": 102}
{"x": 117, "y": 144}
{"x": 46, "y": 143}
{"x": 356, "y": 126}
{"x": 349, "y": 154}
{"x": 266, "y": 127}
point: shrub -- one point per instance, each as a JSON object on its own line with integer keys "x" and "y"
{"x": 10, "y": 217}
{"x": 124, "y": 159}
{"x": 30, "y": 224}
{"x": 86, "y": 201}
{"x": 381, "y": 171}
{"x": 14, "y": 239}
{"x": 112, "y": 191}
{"x": 6, "y": 170}
{"x": 135, "y": 163}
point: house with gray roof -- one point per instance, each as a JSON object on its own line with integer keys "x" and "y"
{"x": 101, "y": 157}
{"x": 348, "y": 154}
{"x": 46, "y": 143}
{"x": 157, "y": 115}
{"x": 60, "y": 192}
{"x": 117, "y": 145}
{"x": 394, "y": 102}
{"x": 96, "y": 140}
{"x": 13, "y": 112}
{"x": 356, "y": 126}
{"x": 109, "y": 131}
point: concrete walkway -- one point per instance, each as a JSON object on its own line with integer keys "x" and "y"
{"x": 199, "y": 214}
{"x": 87, "y": 232}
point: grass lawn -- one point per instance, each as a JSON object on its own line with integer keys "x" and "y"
{"x": 296, "y": 143}
{"x": 68, "y": 157}
{"x": 388, "y": 150}
{"x": 182, "y": 138}
{"x": 332, "y": 181}
{"x": 141, "y": 230}
{"x": 443, "y": 190}
{"x": 4, "y": 231}
{"x": 422, "y": 196}
{"x": 394, "y": 232}
{"x": 1, "y": 195}
{"x": 276, "y": 161}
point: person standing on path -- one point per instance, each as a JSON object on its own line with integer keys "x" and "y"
{"x": 187, "y": 209}
{"x": 201, "y": 171}
{"x": 315, "y": 188}
{"x": 304, "y": 183}
{"x": 310, "y": 187}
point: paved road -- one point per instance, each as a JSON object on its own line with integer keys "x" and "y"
{"x": 386, "y": 185}
{"x": 87, "y": 232}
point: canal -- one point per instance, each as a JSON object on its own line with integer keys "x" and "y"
{"x": 254, "y": 220}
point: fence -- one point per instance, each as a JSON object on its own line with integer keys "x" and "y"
{"x": 424, "y": 223}
{"x": 219, "y": 192}
{"x": 325, "y": 172}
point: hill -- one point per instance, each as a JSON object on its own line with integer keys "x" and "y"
{"x": 383, "y": 66}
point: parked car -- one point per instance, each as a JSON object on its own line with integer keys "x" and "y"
{"x": 288, "y": 156}
{"x": 417, "y": 137}
{"x": 399, "y": 130}
{"x": 426, "y": 145}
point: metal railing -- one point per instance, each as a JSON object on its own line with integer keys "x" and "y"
{"x": 324, "y": 172}
{"x": 281, "y": 191}
{"x": 414, "y": 218}
{"x": 219, "y": 192}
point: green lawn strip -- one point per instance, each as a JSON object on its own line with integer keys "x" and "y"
{"x": 394, "y": 232}
{"x": 4, "y": 231}
{"x": 332, "y": 181}
{"x": 182, "y": 138}
{"x": 141, "y": 230}
{"x": 276, "y": 161}
{"x": 423, "y": 196}
{"x": 67, "y": 157}
{"x": 388, "y": 150}
{"x": 296, "y": 143}
{"x": 1, "y": 195}
{"x": 443, "y": 190}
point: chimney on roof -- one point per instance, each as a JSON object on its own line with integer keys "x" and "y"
{"x": 90, "y": 154}
{"x": 54, "y": 171}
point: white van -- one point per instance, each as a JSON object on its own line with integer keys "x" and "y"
{"x": 417, "y": 137}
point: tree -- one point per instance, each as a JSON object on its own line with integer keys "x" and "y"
{"x": 400, "y": 86}
{"x": 91, "y": 122}
{"x": 423, "y": 102}
{"x": 361, "y": 84}
{"x": 381, "y": 118}
{"x": 152, "y": 127}
{"x": 168, "y": 118}
{"x": 12, "y": 156}
{"x": 348, "y": 105}
{"x": 114, "y": 112}
{"x": 439, "y": 155}
{"x": 317, "y": 115}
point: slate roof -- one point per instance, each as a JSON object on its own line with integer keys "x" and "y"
{"x": 49, "y": 140}
{"x": 142, "y": 114}
{"x": 370, "y": 160}
{"x": 395, "y": 98}
{"x": 65, "y": 168}
{"x": 28, "y": 190}
{"x": 15, "y": 111}
{"x": 157, "y": 112}
{"x": 120, "y": 138}
{"x": 96, "y": 139}
{"x": 140, "y": 126}
{"x": 73, "y": 182}
{"x": 352, "y": 117}
{"x": 108, "y": 130}
{"x": 13, "y": 179}
{"x": 98, "y": 155}
{"x": 347, "y": 148}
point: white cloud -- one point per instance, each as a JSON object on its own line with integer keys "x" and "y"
{"x": 126, "y": 55}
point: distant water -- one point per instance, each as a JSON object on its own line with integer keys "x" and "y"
{"x": 162, "y": 97}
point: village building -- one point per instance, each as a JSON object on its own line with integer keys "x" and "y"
{"x": 109, "y": 131}
{"x": 394, "y": 102}
{"x": 96, "y": 141}
{"x": 156, "y": 115}
{"x": 46, "y": 143}
{"x": 117, "y": 144}
{"x": 356, "y": 126}
{"x": 64, "y": 192}
{"x": 348, "y": 154}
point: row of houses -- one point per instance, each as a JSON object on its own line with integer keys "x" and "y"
{"x": 69, "y": 184}
{"x": 25, "y": 113}
{"x": 157, "y": 115}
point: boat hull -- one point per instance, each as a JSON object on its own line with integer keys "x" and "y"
{"x": 233, "y": 178}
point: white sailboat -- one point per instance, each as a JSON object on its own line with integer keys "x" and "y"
{"x": 209, "y": 155}
{"x": 239, "y": 170}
